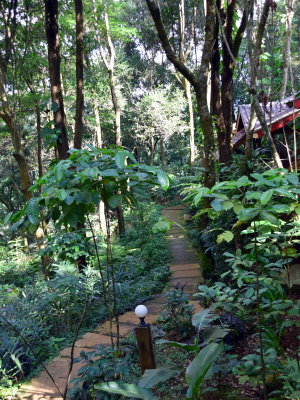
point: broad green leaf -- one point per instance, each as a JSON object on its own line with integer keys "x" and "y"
{"x": 114, "y": 200}
{"x": 33, "y": 211}
{"x": 201, "y": 192}
{"x": 266, "y": 196}
{"x": 109, "y": 172}
{"x": 7, "y": 218}
{"x": 163, "y": 179}
{"x": 237, "y": 208}
{"x": 127, "y": 390}
{"x": 61, "y": 194}
{"x": 215, "y": 333}
{"x": 16, "y": 361}
{"x": 59, "y": 171}
{"x": 200, "y": 367}
{"x": 152, "y": 377}
{"x": 247, "y": 214}
{"x": 280, "y": 208}
{"x": 227, "y": 236}
{"x": 297, "y": 210}
{"x": 91, "y": 172}
{"x": 17, "y": 224}
{"x": 269, "y": 217}
{"x": 286, "y": 193}
{"x": 243, "y": 181}
{"x": 161, "y": 226}
{"x": 227, "y": 205}
{"x": 183, "y": 346}
{"x": 293, "y": 178}
{"x": 217, "y": 204}
{"x": 203, "y": 318}
{"x": 121, "y": 156}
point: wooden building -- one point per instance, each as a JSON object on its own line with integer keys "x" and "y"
{"x": 278, "y": 115}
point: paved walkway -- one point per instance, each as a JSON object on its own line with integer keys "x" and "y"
{"x": 185, "y": 271}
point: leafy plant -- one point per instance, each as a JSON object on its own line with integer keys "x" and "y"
{"x": 177, "y": 313}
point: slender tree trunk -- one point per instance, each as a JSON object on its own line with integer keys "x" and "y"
{"x": 216, "y": 107}
{"x": 267, "y": 133}
{"x": 99, "y": 140}
{"x": 186, "y": 84}
{"x": 152, "y": 148}
{"x": 8, "y": 116}
{"x": 227, "y": 75}
{"x": 201, "y": 97}
{"x": 39, "y": 139}
{"x": 51, "y": 19}
{"x": 102, "y": 218}
{"x": 110, "y": 66}
{"x": 117, "y": 108}
{"x": 188, "y": 95}
{"x": 287, "y": 46}
{"x": 249, "y": 140}
{"x": 79, "y": 117}
{"x": 163, "y": 154}
{"x": 254, "y": 54}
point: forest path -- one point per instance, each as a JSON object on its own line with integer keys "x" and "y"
{"x": 185, "y": 272}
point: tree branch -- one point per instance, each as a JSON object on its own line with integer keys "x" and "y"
{"x": 175, "y": 60}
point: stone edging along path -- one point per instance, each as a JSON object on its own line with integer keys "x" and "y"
{"x": 185, "y": 272}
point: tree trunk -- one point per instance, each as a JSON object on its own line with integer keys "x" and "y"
{"x": 152, "y": 149}
{"x": 8, "y": 116}
{"x": 186, "y": 84}
{"x": 79, "y": 117}
{"x": 51, "y": 19}
{"x": 287, "y": 47}
{"x": 216, "y": 107}
{"x": 201, "y": 96}
{"x": 188, "y": 95}
{"x": 163, "y": 159}
{"x": 99, "y": 140}
{"x": 227, "y": 75}
{"x": 267, "y": 133}
{"x": 254, "y": 54}
{"x": 102, "y": 218}
{"x": 199, "y": 83}
{"x": 117, "y": 108}
{"x": 39, "y": 139}
{"x": 249, "y": 140}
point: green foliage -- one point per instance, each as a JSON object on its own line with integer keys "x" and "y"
{"x": 264, "y": 211}
{"x": 47, "y": 312}
{"x": 126, "y": 389}
{"x": 201, "y": 367}
{"x": 177, "y": 314}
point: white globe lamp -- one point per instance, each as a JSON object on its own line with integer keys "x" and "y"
{"x": 141, "y": 311}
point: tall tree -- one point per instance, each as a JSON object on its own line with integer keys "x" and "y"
{"x": 289, "y": 5}
{"x": 199, "y": 81}
{"x": 9, "y": 12}
{"x": 254, "y": 48}
{"x": 51, "y": 24}
{"x": 184, "y": 51}
{"x": 79, "y": 116}
{"x": 222, "y": 92}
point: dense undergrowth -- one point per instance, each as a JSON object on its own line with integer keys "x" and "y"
{"x": 251, "y": 236}
{"x": 47, "y": 312}
{"x": 245, "y": 343}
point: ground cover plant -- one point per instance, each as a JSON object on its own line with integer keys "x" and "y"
{"x": 255, "y": 290}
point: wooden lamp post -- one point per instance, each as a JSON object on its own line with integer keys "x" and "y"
{"x": 144, "y": 340}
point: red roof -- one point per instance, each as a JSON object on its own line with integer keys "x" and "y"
{"x": 277, "y": 114}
